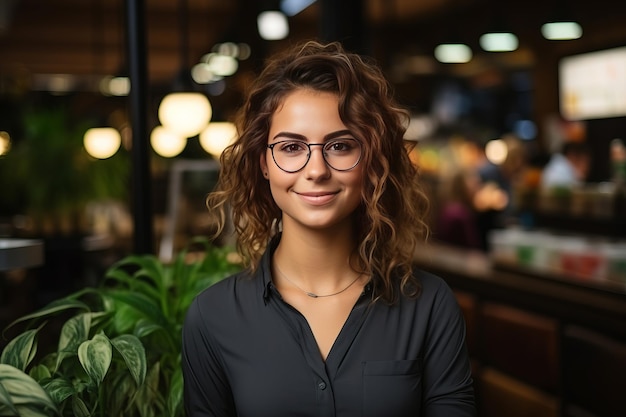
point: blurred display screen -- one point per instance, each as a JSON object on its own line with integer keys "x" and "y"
{"x": 593, "y": 85}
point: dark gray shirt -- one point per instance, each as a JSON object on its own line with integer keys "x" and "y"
{"x": 248, "y": 353}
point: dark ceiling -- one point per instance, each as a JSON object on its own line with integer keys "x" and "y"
{"x": 87, "y": 37}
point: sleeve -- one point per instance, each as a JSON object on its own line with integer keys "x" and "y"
{"x": 448, "y": 384}
{"x": 206, "y": 389}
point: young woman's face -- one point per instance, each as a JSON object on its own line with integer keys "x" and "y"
{"x": 315, "y": 196}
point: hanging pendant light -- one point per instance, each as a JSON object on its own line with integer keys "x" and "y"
{"x": 166, "y": 143}
{"x": 185, "y": 112}
{"x": 102, "y": 142}
{"x": 217, "y": 136}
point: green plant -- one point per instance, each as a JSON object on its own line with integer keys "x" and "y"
{"x": 48, "y": 174}
{"x": 118, "y": 353}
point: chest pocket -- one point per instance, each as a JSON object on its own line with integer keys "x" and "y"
{"x": 392, "y": 388}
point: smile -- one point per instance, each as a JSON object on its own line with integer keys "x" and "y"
{"x": 318, "y": 198}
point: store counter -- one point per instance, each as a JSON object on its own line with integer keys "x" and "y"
{"x": 541, "y": 344}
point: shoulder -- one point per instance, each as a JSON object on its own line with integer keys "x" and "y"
{"x": 222, "y": 298}
{"x": 434, "y": 293}
{"x": 429, "y": 281}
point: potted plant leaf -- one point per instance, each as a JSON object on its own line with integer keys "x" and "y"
{"x": 118, "y": 348}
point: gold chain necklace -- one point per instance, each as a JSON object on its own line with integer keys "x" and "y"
{"x": 310, "y": 294}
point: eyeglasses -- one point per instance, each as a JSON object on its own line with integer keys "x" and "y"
{"x": 293, "y": 155}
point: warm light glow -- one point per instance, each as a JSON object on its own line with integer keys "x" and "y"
{"x": 496, "y": 151}
{"x": 561, "y": 31}
{"x": 115, "y": 86}
{"x": 272, "y": 25}
{"x": 453, "y": 53}
{"x": 202, "y": 74}
{"x": 217, "y": 136}
{"x": 499, "y": 42}
{"x": 167, "y": 143}
{"x": 5, "y": 143}
{"x": 102, "y": 142}
{"x": 185, "y": 114}
{"x": 223, "y": 65}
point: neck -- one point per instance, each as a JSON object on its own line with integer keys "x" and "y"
{"x": 318, "y": 262}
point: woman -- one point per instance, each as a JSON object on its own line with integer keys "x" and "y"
{"x": 329, "y": 319}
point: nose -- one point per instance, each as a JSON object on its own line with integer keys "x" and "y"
{"x": 317, "y": 168}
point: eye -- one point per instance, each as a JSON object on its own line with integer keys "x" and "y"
{"x": 293, "y": 147}
{"x": 341, "y": 145}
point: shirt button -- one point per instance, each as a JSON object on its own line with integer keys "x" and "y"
{"x": 321, "y": 385}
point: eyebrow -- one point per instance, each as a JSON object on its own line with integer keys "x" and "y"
{"x": 298, "y": 136}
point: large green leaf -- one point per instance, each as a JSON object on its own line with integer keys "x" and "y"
{"x": 95, "y": 357}
{"x": 134, "y": 354}
{"x": 24, "y": 391}
{"x": 20, "y": 351}
{"x": 74, "y": 332}
{"x": 143, "y": 304}
{"x": 53, "y": 308}
{"x": 6, "y": 402}
{"x": 59, "y": 389}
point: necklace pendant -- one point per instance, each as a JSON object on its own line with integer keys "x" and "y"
{"x": 310, "y": 294}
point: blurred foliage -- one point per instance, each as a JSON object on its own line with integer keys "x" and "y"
{"x": 49, "y": 173}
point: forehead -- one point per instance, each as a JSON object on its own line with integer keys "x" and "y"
{"x": 307, "y": 112}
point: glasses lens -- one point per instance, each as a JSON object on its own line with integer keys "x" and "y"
{"x": 339, "y": 154}
{"x": 342, "y": 154}
{"x": 290, "y": 156}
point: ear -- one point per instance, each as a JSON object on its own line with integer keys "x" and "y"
{"x": 263, "y": 164}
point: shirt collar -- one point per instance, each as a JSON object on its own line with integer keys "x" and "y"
{"x": 267, "y": 286}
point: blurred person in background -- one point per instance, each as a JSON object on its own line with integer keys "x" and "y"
{"x": 569, "y": 167}
{"x": 499, "y": 176}
{"x": 456, "y": 222}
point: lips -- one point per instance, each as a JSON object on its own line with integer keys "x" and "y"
{"x": 317, "y": 198}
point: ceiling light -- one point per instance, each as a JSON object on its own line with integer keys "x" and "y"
{"x": 217, "y": 136}
{"x": 498, "y": 42}
{"x": 102, "y": 142}
{"x": 561, "y": 31}
{"x": 272, "y": 25}
{"x": 185, "y": 113}
{"x": 453, "y": 53}
{"x": 166, "y": 143}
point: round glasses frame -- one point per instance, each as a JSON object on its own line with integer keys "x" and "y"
{"x": 308, "y": 156}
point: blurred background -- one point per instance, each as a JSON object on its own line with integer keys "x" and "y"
{"x": 518, "y": 109}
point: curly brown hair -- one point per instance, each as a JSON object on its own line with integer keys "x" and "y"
{"x": 391, "y": 219}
